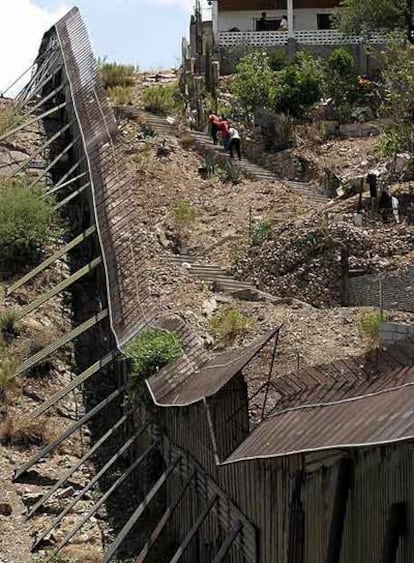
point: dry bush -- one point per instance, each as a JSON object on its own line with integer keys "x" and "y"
{"x": 9, "y": 118}
{"x": 187, "y": 141}
{"x": 121, "y": 95}
{"x": 115, "y": 74}
{"x": 25, "y": 434}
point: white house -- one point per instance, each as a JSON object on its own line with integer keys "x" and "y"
{"x": 273, "y": 22}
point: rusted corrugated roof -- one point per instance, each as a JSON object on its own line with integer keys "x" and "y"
{"x": 183, "y": 382}
{"x": 374, "y": 418}
{"x": 352, "y": 376}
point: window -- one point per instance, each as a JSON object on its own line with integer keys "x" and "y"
{"x": 324, "y": 21}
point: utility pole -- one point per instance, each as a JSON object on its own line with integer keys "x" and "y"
{"x": 290, "y": 18}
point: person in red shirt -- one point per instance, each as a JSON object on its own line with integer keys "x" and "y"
{"x": 224, "y": 130}
{"x": 213, "y": 120}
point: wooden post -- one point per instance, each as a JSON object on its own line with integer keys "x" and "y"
{"x": 342, "y": 486}
{"x": 396, "y": 527}
{"x": 344, "y": 276}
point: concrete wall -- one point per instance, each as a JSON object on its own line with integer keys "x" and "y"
{"x": 397, "y": 291}
{"x": 395, "y": 332}
{"x": 246, "y": 20}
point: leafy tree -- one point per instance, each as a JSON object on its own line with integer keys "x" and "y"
{"x": 254, "y": 85}
{"x": 398, "y": 78}
{"x": 341, "y": 82}
{"x": 359, "y": 16}
{"x": 298, "y": 85}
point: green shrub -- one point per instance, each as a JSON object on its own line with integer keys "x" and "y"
{"x": 278, "y": 60}
{"x": 9, "y": 118}
{"x": 369, "y": 326}
{"x": 298, "y": 86}
{"x": 121, "y": 95}
{"x": 9, "y": 323}
{"x": 115, "y": 74}
{"x": 25, "y": 224}
{"x": 162, "y": 100}
{"x": 341, "y": 83}
{"x": 151, "y": 350}
{"x": 231, "y": 173}
{"x": 261, "y": 232}
{"x": 227, "y": 324}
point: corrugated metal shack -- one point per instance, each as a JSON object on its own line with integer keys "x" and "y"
{"x": 328, "y": 477}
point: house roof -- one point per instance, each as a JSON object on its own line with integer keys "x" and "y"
{"x": 243, "y": 5}
{"x": 375, "y": 417}
{"x": 185, "y": 381}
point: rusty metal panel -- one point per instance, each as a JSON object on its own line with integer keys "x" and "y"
{"x": 207, "y": 378}
{"x": 377, "y": 418}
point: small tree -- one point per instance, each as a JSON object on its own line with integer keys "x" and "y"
{"x": 361, "y": 16}
{"x": 341, "y": 82}
{"x": 254, "y": 85}
{"x": 398, "y": 78}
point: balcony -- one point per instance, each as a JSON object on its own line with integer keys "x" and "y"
{"x": 303, "y": 37}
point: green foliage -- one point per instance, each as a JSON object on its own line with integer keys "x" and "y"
{"x": 283, "y": 133}
{"x": 151, "y": 350}
{"x": 9, "y": 323}
{"x": 298, "y": 85}
{"x": 231, "y": 173}
{"x": 9, "y": 364}
{"x": 359, "y": 16}
{"x": 121, "y": 95}
{"x": 10, "y": 117}
{"x": 261, "y": 232}
{"x": 278, "y": 60}
{"x": 254, "y": 84}
{"x": 341, "y": 83}
{"x": 228, "y": 324}
{"x": 25, "y": 223}
{"x": 162, "y": 100}
{"x": 115, "y": 74}
{"x": 398, "y": 78}
{"x": 369, "y": 326}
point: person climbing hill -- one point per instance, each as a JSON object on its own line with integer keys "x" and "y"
{"x": 234, "y": 142}
{"x": 213, "y": 121}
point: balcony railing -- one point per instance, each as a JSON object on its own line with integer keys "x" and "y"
{"x": 304, "y": 37}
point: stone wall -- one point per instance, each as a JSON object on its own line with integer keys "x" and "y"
{"x": 397, "y": 290}
{"x": 395, "y": 332}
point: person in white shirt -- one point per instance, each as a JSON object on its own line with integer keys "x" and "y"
{"x": 234, "y": 142}
{"x": 284, "y": 26}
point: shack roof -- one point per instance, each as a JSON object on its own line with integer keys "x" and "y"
{"x": 184, "y": 381}
{"x": 373, "y": 418}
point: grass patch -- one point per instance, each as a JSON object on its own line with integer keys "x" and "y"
{"x": 183, "y": 214}
{"x": 121, "y": 95}
{"x": 369, "y": 325}
{"x": 9, "y": 364}
{"x": 228, "y": 324}
{"x": 10, "y": 117}
{"x": 162, "y": 100}
{"x": 261, "y": 232}
{"x": 25, "y": 224}
{"x": 115, "y": 74}
{"x": 10, "y": 326}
